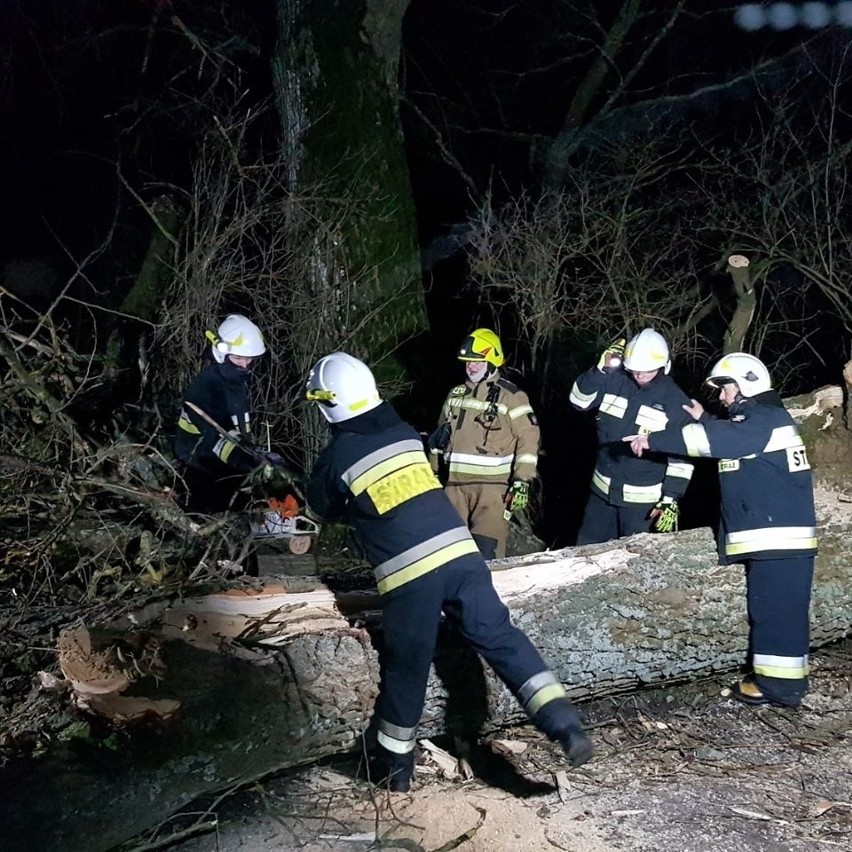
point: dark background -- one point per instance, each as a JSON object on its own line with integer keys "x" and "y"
{"x": 97, "y": 96}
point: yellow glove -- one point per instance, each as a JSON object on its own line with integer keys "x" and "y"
{"x": 612, "y": 356}
{"x": 664, "y": 515}
{"x": 517, "y": 498}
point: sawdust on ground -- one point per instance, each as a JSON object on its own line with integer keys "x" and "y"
{"x": 682, "y": 769}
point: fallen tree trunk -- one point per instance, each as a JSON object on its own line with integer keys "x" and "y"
{"x": 232, "y": 685}
{"x": 248, "y": 683}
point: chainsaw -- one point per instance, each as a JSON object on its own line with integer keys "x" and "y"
{"x": 279, "y": 518}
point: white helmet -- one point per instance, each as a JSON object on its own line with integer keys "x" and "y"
{"x": 748, "y": 372}
{"x": 236, "y": 336}
{"x": 342, "y": 386}
{"x": 647, "y": 351}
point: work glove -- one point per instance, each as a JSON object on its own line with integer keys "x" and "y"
{"x": 664, "y": 515}
{"x": 271, "y": 465}
{"x": 440, "y": 439}
{"x": 612, "y": 356}
{"x": 517, "y": 498}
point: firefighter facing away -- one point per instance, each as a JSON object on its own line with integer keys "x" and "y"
{"x": 486, "y": 444}
{"x": 633, "y": 393}
{"x": 374, "y": 475}
{"x": 768, "y": 520}
{"x": 215, "y": 467}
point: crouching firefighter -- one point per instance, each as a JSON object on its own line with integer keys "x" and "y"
{"x": 486, "y": 444}
{"x": 213, "y": 439}
{"x": 374, "y": 475}
{"x": 768, "y": 519}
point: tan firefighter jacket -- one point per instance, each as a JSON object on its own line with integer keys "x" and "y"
{"x": 493, "y": 434}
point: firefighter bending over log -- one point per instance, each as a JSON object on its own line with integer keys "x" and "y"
{"x": 214, "y": 440}
{"x": 768, "y": 519}
{"x": 374, "y": 475}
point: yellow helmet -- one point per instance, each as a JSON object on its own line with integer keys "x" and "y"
{"x": 482, "y": 345}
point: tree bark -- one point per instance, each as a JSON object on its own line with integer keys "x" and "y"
{"x": 235, "y": 685}
{"x": 335, "y": 77}
{"x": 650, "y": 609}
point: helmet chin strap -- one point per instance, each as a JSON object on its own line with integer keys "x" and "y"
{"x": 489, "y": 369}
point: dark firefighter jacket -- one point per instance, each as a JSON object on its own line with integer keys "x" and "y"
{"x": 625, "y": 408}
{"x": 374, "y": 474}
{"x": 764, "y": 477}
{"x": 220, "y": 390}
{"x": 491, "y": 434}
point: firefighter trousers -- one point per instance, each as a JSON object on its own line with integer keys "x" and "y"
{"x": 411, "y": 617}
{"x": 481, "y": 507}
{"x": 779, "y": 595}
{"x": 603, "y": 521}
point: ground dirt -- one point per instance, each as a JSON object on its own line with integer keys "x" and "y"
{"x": 676, "y": 769}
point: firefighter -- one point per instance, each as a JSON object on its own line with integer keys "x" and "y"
{"x": 374, "y": 475}
{"x": 633, "y": 393}
{"x": 215, "y": 467}
{"x": 768, "y": 519}
{"x": 486, "y": 444}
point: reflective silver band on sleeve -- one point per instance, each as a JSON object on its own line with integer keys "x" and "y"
{"x": 696, "y": 440}
{"x": 580, "y": 399}
{"x": 680, "y": 469}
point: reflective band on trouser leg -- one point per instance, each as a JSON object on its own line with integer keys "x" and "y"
{"x": 396, "y": 739}
{"x": 779, "y": 593}
{"x": 539, "y": 690}
{"x": 787, "y": 668}
{"x": 770, "y": 538}
{"x": 423, "y": 558}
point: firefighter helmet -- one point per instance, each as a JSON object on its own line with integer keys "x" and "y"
{"x": 342, "y": 386}
{"x": 236, "y": 336}
{"x": 646, "y": 352}
{"x": 748, "y": 372}
{"x": 482, "y": 345}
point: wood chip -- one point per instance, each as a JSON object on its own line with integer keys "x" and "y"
{"x": 562, "y": 785}
{"x": 509, "y": 747}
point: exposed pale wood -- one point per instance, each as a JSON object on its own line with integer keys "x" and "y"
{"x": 277, "y": 679}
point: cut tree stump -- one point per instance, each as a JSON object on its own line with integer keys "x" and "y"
{"x": 235, "y": 684}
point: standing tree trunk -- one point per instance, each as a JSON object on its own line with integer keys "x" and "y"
{"x": 335, "y": 74}
{"x": 740, "y": 272}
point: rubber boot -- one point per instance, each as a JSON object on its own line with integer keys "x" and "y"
{"x": 391, "y": 770}
{"x": 561, "y": 722}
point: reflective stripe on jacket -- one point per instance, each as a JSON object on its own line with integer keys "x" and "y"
{"x": 374, "y": 474}
{"x": 221, "y": 393}
{"x": 764, "y": 477}
{"x": 494, "y": 434}
{"x": 625, "y": 408}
